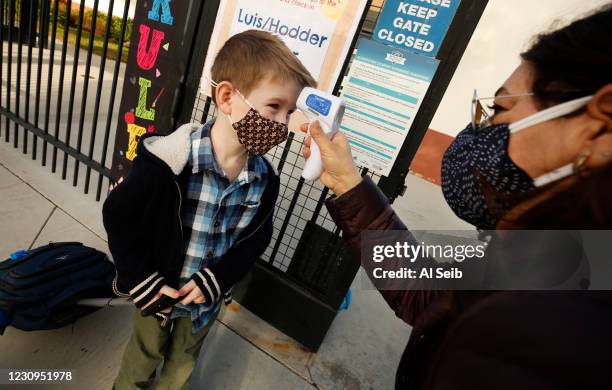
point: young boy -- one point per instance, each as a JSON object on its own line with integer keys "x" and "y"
{"x": 195, "y": 212}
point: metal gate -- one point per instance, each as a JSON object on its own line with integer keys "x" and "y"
{"x": 59, "y": 98}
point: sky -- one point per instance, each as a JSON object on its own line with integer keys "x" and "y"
{"x": 118, "y": 7}
{"x": 506, "y": 28}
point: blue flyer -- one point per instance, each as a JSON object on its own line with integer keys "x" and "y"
{"x": 383, "y": 92}
{"x": 415, "y": 25}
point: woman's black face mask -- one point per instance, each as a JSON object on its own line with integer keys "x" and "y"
{"x": 478, "y": 159}
{"x": 475, "y": 156}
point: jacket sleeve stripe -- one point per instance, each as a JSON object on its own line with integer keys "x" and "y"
{"x": 143, "y": 283}
{"x": 227, "y": 297}
{"x": 214, "y": 280}
{"x": 150, "y": 295}
{"x": 204, "y": 287}
{"x": 152, "y": 290}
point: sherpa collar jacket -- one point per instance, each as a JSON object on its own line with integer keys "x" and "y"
{"x": 142, "y": 218}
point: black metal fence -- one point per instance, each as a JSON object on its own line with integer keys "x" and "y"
{"x": 59, "y": 99}
{"x": 60, "y": 66}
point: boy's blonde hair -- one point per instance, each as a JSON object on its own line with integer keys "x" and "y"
{"x": 248, "y": 57}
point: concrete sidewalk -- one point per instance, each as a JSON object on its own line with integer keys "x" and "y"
{"x": 361, "y": 350}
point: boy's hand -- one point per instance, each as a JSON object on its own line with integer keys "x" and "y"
{"x": 165, "y": 290}
{"x": 192, "y": 294}
{"x": 339, "y": 171}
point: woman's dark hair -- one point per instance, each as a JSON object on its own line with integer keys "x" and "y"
{"x": 574, "y": 61}
{"x": 569, "y": 63}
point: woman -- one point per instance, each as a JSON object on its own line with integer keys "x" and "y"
{"x": 542, "y": 160}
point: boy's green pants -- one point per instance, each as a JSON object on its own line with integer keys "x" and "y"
{"x": 150, "y": 344}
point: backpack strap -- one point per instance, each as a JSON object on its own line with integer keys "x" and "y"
{"x": 75, "y": 289}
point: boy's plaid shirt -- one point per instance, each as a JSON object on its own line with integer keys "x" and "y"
{"x": 215, "y": 213}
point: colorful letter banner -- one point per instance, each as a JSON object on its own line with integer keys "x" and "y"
{"x": 153, "y": 73}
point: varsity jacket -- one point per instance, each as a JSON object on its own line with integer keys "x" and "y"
{"x": 142, "y": 218}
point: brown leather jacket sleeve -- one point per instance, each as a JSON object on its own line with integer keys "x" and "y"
{"x": 365, "y": 207}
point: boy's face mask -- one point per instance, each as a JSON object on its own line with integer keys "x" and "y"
{"x": 482, "y": 154}
{"x": 258, "y": 134}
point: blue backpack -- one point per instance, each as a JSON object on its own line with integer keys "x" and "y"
{"x": 39, "y": 289}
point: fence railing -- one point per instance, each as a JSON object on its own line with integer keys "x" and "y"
{"x": 60, "y": 68}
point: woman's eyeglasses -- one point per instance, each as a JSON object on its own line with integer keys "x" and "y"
{"x": 482, "y": 114}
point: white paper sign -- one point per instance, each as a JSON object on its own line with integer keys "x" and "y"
{"x": 383, "y": 92}
{"x": 319, "y": 32}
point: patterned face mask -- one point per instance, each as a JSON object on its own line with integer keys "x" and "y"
{"x": 478, "y": 157}
{"x": 258, "y": 134}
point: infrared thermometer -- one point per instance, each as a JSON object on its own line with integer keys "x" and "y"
{"x": 328, "y": 110}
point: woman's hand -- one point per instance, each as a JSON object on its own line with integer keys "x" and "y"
{"x": 192, "y": 294}
{"x": 339, "y": 171}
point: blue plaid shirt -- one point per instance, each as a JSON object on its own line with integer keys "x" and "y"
{"x": 216, "y": 211}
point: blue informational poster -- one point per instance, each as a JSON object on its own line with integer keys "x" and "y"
{"x": 383, "y": 92}
{"x": 415, "y": 25}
